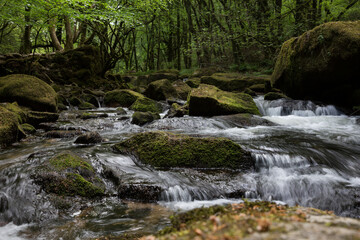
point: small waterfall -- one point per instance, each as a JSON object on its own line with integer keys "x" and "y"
{"x": 266, "y": 160}
{"x": 284, "y": 107}
{"x": 99, "y": 101}
{"x": 180, "y": 194}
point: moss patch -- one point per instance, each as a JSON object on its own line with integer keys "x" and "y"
{"x": 166, "y": 150}
{"x": 182, "y": 89}
{"x": 142, "y": 118}
{"x": 28, "y": 91}
{"x": 146, "y": 105}
{"x": 66, "y": 160}
{"x": 207, "y": 100}
{"x": 9, "y": 127}
{"x": 161, "y": 90}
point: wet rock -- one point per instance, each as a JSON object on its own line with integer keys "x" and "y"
{"x": 67, "y": 174}
{"x": 244, "y": 120}
{"x": 121, "y": 98}
{"x": 161, "y": 90}
{"x": 139, "y": 192}
{"x": 260, "y": 88}
{"x": 250, "y": 92}
{"x": 89, "y": 138}
{"x": 182, "y": 89}
{"x": 166, "y": 150}
{"x": 75, "y": 101}
{"x": 28, "y": 91}
{"x": 274, "y": 96}
{"x": 142, "y": 118}
{"x": 86, "y": 116}
{"x": 35, "y": 118}
{"x": 86, "y": 106}
{"x": 4, "y": 203}
{"x": 207, "y": 100}
{"x": 234, "y": 81}
{"x": 146, "y": 105}
{"x": 62, "y": 134}
{"x": 322, "y": 64}
{"x": 177, "y": 111}
{"x": 121, "y": 111}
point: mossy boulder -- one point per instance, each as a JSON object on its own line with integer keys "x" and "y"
{"x": 121, "y": 98}
{"x": 167, "y": 150}
{"x": 15, "y": 108}
{"x": 28, "y": 91}
{"x": 258, "y": 220}
{"x": 145, "y": 104}
{"x": 161, "y": 90}
{"x": 233, "y": 82}
{"x": 258, "y": 88}
{"x": 171, "y": 76}
{"x": 193, "y": 82}
{"x": 67, "y": 174}
{"x": 9, "y": 127}
{"x": 182, "y": 89}
{"x": 177, "y": 111}
{"x": 142, "y": 118}
{"x": 89, "y": 138}
{"x": 322, "y": 64}
{"x": 274, "y": 96}
{"x": 243, "y": 120}
{"x": 207, "y": 100}
{"x": 35, "y": 118}
{"x": 86, "y": 105}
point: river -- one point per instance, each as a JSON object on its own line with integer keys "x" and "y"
{"x": 309, "y": 156}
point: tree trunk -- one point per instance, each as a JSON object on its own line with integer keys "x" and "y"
{"x": 55, "y": 41}
{"x": 69, "y": 44}
{"x": 25, "y": 47}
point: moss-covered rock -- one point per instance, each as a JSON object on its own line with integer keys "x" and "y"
{"x": 193, "y": 82}
{"x": 258, "y": 88}
{"x": 322, "y": 64}
{"x": 146, "y": 105}
{"x": 207, "y": 100}
{"x": 258, "y": 220}
{"x": 233, "y": 82}
{"x": 121, "y": 98}
{"x": 177, "y": 111}
{"x": 86, "y": 105}
{"x": 250, "y": 92}
{"x": 171, "y": 76}
{"x": 274, "y": 96}
{"x": 35, "y": 118}
{"x": 28, "y": 91}
{"x": 28, "y": 129}
{"x": 207, "y": 71}
{"x": 89, "y": 138}
{"x": 75, "y": 101}
{"x": 167, "y": 150}
{"x": 161, "y": 90}
{"x": 142, "y": 118}
{"x": 67, "y": 174}
{"x": 242, "y": 120}
{"x": 15, "y": 108}
{"x": 9, "y": 127}
{"x": 121, "y": 111}
{"x": 182, "y": 89}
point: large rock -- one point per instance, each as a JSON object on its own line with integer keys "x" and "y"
{"x": 166, "y": 150}
{"x": 207, "y": 100}
{"x": 234, "y": 81}
{"x": 182, "y": 89}
{"x": 161, "y": 90}
{"x": 322, "y": 64}
{"x": 146, "y": 105}
{"x": 121, "y": 97}
{"x": 9, "y": 127}
{"x": 142, "y": 118}
{"x": 28, "y": 91}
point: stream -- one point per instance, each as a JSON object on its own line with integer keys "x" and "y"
{"x": 309, "y": 157}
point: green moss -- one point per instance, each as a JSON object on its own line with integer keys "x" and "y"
{"x": 146, "y": 105}
{"x": 258, "y": 87}
{"x": 14, "y": 107}
{"x": 64, "y": 161}
{"x": 182, "y": 89}
{"x": 207, "y": 100}
{"x": 28, "y": 128}
{"x": 28, "y": 91}
{"x": 75, "y": 184}
{"x": 193, "y": 82}
{"x": 120, "y": 111}
{"x": 166, "y": 150}
{"x": 121, "y": 97}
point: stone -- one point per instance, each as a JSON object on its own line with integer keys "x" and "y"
{"x": 161, "y": 90}
{"x": 89, "y": 138}
{"x": 142, "y": 118}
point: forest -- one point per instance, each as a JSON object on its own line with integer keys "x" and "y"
{"x": 163, "y": 34}
{"x": 179, "y": 119}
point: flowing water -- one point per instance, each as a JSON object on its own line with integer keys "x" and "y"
{"x": 310, "y": 157}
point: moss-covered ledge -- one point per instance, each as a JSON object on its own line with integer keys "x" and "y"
{"x": 168, "y": 150}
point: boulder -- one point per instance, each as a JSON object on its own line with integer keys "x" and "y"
{"x": 161, "y": 90}
{"x": 182, "y": 89}
{"x": 9, "y": 127}
{"x": 142, "y": 118}
{"x": 140, "y": 192}
{"x": 193, "y": 82}
{"x": 89, "y": 138}
{"x": 274, "y": 96}
{"x": 171, "y": 75}
{"x": 35, "y": 118}
{"x": 86, "y": 106}
{"x": 121, "y": 98}
{"x": 67, "y": 174}
{"x": 167, "y": 150}
{"x": 322, "y": 64}
{"x": 207, "y": 100}
{"x": 243, "y": 120}
{"x": 177, "y": 111}
{"x": 146, "y": 105}
{"x": 234, "y": 82}
{"x": 28, "y": 91}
